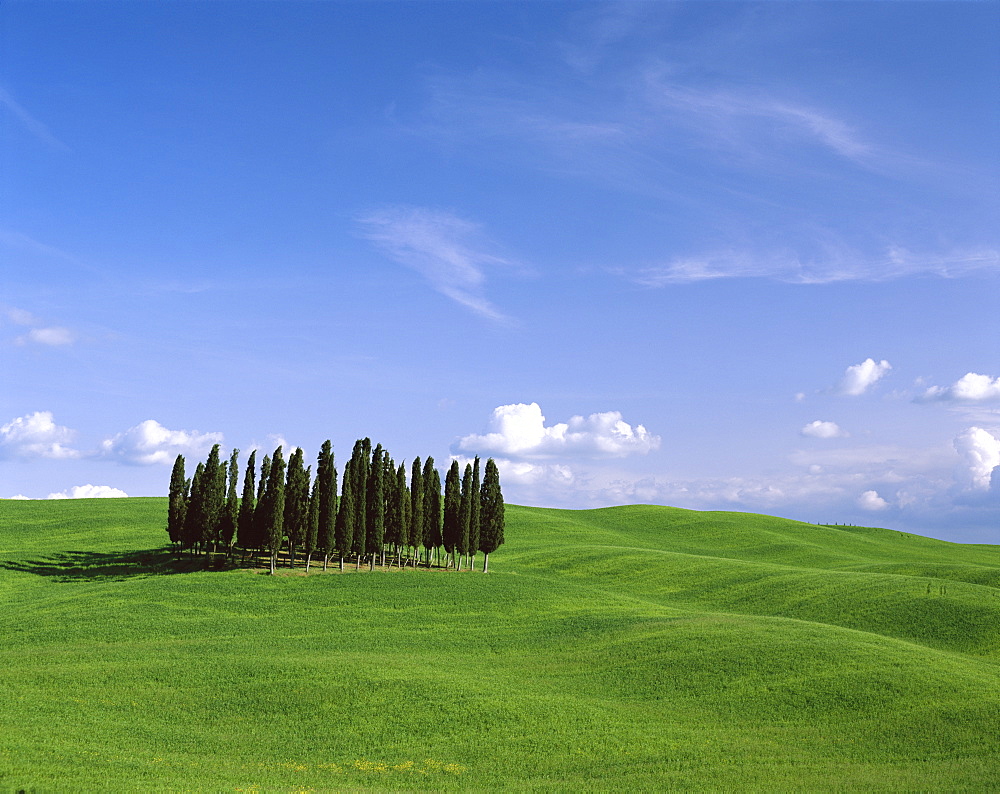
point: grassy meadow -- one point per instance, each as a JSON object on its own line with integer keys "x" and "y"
{"x": 640, "y": 648}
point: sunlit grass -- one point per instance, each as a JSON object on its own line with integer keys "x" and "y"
{"x": 630, "y": 648}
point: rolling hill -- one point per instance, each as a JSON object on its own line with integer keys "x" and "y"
{"x": 625, "y": 648}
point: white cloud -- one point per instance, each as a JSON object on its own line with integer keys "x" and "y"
{"x": 518, "y": 432}
{"x": 858, "y": 378}
{"x": 19, "y": 497}
{"x": 971, "y": 387}
{"x": 870, "y": 500}
{"x": 150, "y": 442}
{"x": 820, "y": 429}
{"x": 445, "y": 249}
{"x": 89, "y": 492}
{"x": 36, "y": 436}
{"x": 980, "y": 450}
{"x": 54, "y": 336}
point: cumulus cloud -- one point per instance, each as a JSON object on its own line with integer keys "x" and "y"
{"x": 36, "y": 436}
{"x": 971, "y": 387}
{"x": 870, "y": 500}
{"x": 820, "y": 429}
{"x": 445, "y": 249}
{"x": 89, "y": 492}
{"x": 518, "y": 432}
{"x": 150, "y": 442}
{"x": 53, "y": 337}
{"x": 980, "y": 451}
{"x": 858, "y": 378}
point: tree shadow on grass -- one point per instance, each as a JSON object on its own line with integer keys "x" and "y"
{"x": 94, "y": 566}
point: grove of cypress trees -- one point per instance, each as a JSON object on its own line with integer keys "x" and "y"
{"x": 260, "y": 534}
{"x": 244, "y": 521}
{"x": 177, "y": 501}
{"x": 452, "y": 502}
{"x": 344, "y": 529}
{"x": 464, "y": 514}
{"x": 326, "y": 482}
{"x": 359, "y": 475}
{"x": 213, "y": 498}
{"x": 474, "y": 497}
{"x": 492, "y": 513}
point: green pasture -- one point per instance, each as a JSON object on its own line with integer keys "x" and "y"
{"x": 633, "y": 648}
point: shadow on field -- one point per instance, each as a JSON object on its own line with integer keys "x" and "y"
{"x": 92, "y": 566}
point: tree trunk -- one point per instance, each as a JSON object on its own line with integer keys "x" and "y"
{"x": 472, "y": 562}
{"x": 486, "y": 562}
{"x": 308, "y": 559}
{"x": 357, "y": 563}
{"x": 274, "y": 559}
{"x": 341, "y": 563}
{"x": 326, "y": 559}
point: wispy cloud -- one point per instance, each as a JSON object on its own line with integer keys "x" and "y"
{"x": 840, "y": 266}
{"x": 29, "y": 122}
{"x": 446, "y": 250}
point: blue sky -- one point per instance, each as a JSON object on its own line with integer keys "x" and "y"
{"x": 715, "y": 255}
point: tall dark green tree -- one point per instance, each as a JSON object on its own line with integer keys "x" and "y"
{"x": 326, "y": 482}
{"x": 213, "y": 499}
{"x": 177, "y": 501}
{"x": 260, "y": 533}
{"x": 415, "y": 531}
{"x": 395, "y": 512}
{"x": 359, "y": 475}
{"x": 296, "y": 516}
{"x": 194, "y": 513}
{"x": 452, "y": 501}
{"x": 312, "y": 524}
{"x": 492, "y": 515}
{"x": 230, "y": 510}
{"x": 375, "y": 509}
{"x": 464, "y": 514}
{"x": 344, "y": 529}
{"x": 273, "y": 505}
{"x": 432, "y": 509}
{"x": 244, "y": 523}
{"x": 474, "y": 510}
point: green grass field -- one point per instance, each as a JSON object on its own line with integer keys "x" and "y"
{"x": 637, "y": 648}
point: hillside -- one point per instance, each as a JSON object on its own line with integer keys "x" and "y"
{"x": 625, "y": 648}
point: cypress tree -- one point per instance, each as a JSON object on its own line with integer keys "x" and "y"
{"x": 312, "y": 523}
{"x": 432, "y": 509}
{"x": 260, "y": 533}
{"x": 474, "y": 509}
{"x": 213, "y": 498}
{"x": 177, "y": 502}
{"x": 415, "y": 531}
{"x": 274, "y": 506}
{"x": 452, "y": 502}
{"x": 344, "y": 528}
{"x": 359, "y": 475}
{"x": 244, "y": 522}
{"x": 395, "y": 514}
{"x": 326, "y": 479}
{"x": 492, "y": 515}
{"x": 193, "y": 516}
{"x": 464, "y": 514}
{"x": 296, "y": 515}
{"x": 230, "y": 511}
{"x": 375, "y": 509}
